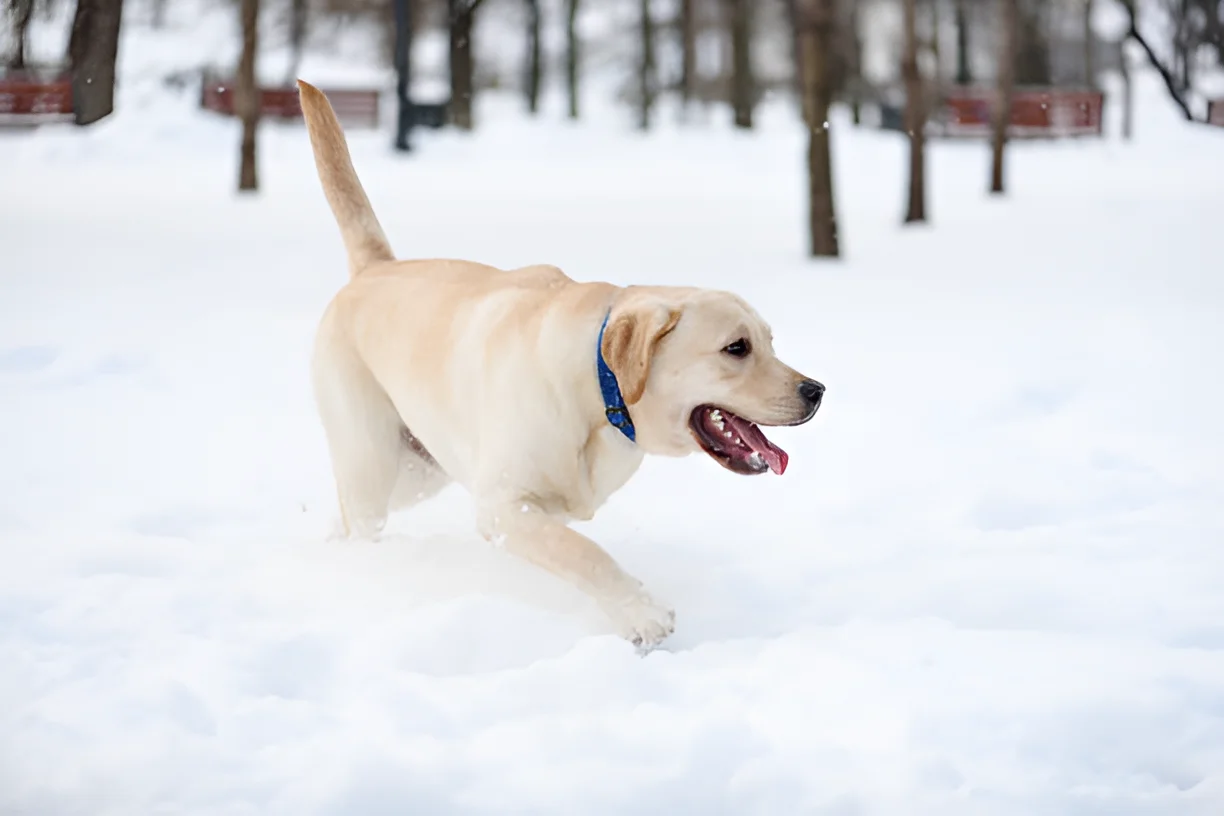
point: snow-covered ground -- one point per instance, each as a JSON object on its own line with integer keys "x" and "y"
{"x": 991, "y": 582}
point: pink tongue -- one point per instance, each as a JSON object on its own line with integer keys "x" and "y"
{"x": 774, "y": 456}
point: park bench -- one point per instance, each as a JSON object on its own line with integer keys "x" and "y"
{"x": 1215, "y": 112}
{"x": 1036, "y": 113}
{"x": 34, "y": 97}
{"x": 354, "y": 107}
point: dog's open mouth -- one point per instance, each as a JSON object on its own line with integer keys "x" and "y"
{"x": 734, "y": 442}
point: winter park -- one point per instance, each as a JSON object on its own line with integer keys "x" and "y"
{"x": 985, "y": 578}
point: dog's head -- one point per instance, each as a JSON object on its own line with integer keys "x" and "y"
{"x": 698, "y": 372}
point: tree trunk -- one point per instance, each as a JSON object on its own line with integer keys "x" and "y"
{"x": 854, "y": 62}
{"x": 571, "y": 56}
{"x": 78, "y": 36}
{"x": 1127, "y": 94}
{"x": 932, "y": 12}
{"x": 1187, "y": 44}
{"x": 22, "y": 11}
{"x": 1008, "y": 24}
{"x": 92, "y": 52}
{"x": 1033, "y": 43}
{"x": 816, "y": 20}
{"x": 1090, "y": 77}
{"x": 462, "y": 67}
{"x": 246, "y": 95}
{"x": 646, "y": 67}
{"x": 688, "y": 52}
{"x": 1215, "y": 27}
{"x": 159, "y": 14}
{"x": 298, "y": 12}
{"x": 533, "y": 70}
{"x": 796, "y": 48}
{"x": 739, "y": 14}
{"x": 915, "y": 115}
{"x": 964, "y": 73}
{"x": 403, "y": 75}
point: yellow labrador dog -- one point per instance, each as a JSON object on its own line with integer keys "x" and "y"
{"x": 537, "y": 393}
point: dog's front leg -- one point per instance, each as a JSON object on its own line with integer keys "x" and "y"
{"x": 529, "y": 533}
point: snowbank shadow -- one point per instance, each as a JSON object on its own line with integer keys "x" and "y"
{"x": 70, "y": 372}
{"x": 25, "y": 359}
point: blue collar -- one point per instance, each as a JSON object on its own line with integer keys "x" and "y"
{"x": 614, "y": 403}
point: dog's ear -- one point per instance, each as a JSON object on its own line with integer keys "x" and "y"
{"x": 629, "y": 344}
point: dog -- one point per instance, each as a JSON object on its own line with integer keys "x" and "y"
{"x": 537, "y": 393}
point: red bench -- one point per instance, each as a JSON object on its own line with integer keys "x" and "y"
{"x": 1215, "y": 112}
{"x": 27, "y": 99}
{"x": 1035, "y": 113}
{"x": 354, "y": 108}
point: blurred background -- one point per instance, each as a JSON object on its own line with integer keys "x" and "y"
{"x": 990, "y": 70}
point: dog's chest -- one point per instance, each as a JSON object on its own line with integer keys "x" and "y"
{"x": 610, "y": 461}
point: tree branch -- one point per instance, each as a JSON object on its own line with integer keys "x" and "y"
{"x": 1165, "y": 73}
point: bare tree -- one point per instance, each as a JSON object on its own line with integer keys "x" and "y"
{"x": 93, "y": 49}
{"x": 572, "y": 46}
{"x": 462, "y": 15}
{"x": 1032, "y": 42}
{"x": 22, "y": 12}
{"x": 298, "y": 20}
{"x": 816, "y": 21}
{"x": 1194, "y": 27}
{"x": 533, "y": 69}
{"x": 1128, "y": 96}
{"x": 688, "y": 52}
{"x": 1213, "y": 25}
{"x": 853, "y": 40}
{"x": 1090, "y": 77}
{"x": 159, "y": 14}
{"x": 646, "y": 66}
{"x": 1008, "y": 23}
{"x": 739, "y": 18}
{"x": 915, "y": 115}
{"x": 932, "y": 43}
{"x": 403, "y": 75}
{"x": 964, "y": 72}
{"x": 1185, "y": 41}
{"x": 796, "y": 47}
{"x": 1166, "y": 73}
{"x": 246, "y": 95}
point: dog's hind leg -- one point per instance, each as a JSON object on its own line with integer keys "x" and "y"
{"x": 363, "y": 433}
{"x": 419, "y": 476}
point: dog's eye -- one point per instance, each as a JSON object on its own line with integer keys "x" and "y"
{"x": 740, "y": 348}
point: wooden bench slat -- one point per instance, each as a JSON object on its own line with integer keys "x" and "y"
{"x": 353, "y": 107}
{"x": 38, "y": 100}
{"x": 1215, "y": 112}
{"x": 1054, "y": 112}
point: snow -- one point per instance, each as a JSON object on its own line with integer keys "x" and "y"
{"x": 989, "y": 583}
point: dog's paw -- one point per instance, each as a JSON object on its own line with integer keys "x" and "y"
{"x": 358, "y": 529}
{"x": 642, "y": 620}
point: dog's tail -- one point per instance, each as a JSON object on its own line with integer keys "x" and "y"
{"x": 363, "y": 235}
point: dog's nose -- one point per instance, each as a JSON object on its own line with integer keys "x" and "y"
{"x": 811, "y": 390}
